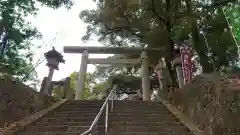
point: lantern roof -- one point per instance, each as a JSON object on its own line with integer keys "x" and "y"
{"x": 54, "y": 54}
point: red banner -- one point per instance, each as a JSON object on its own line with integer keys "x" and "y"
{"x": 187, "y": 64}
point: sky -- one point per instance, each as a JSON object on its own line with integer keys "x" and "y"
{"x": 61, "y": 28}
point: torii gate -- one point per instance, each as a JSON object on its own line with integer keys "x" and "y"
{"x": 111, "y": 50}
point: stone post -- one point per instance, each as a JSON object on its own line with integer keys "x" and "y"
{"x": 161, "y": 69}
{"x": 177, "y": 64}
{"x": 48, "y": 81}
{"x": 68, "y": 93}
{"x": 43, "y": 84}
{"x": 161, "y": 78}
{"x": 145, "y": 76}
{"x": 50, "y": 89}
{"x": 82, "y": 76}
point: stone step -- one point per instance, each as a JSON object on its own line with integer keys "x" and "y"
{"x": 116, "y": 102}
{"x": 85, "y": 102}
{"x": 42, "y": 123}
{"x": 79, "y": 108}
{"x": 76, "y": 113}
{"x": 134, "y": 111}
{"x": 115, "y": 107}
{"x": 145, "y": 128}
{"x": 112, "y": 118}
{"x": 113, "y": 123}
{"x": 60, "y": 128}
{"x": 147, "y": 124}
{"x": 82, "y": 105}
{"x": 139, "y": 119}
{"x": 57, "y": 133}
{"x": 154, "y": 120}
{"x": 147, "y": 133}
{"x": 136, "y": 102}
{"x": 129, "y": 114}
{"x": 92, "y": 115}
{"x": 70, "y": 119}
{"x": 139, "y": 105}
{"x": 121, "y": 102}
{"x": 143, "y": 116}
{"x": 140, "y": 109}
{"x": 56, "y": 115}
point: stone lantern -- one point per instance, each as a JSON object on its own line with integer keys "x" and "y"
{"x": 53, "y": 59}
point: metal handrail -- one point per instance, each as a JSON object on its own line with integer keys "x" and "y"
{"x": 105, "y": 105}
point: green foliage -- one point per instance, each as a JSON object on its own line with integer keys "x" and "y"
{"x": 87, "y": 87}
{"x": 91, "y": 90}
{"x": 100, "y": 89}
{"x": 161, "y": 24}
{"x": 58, "y": 92}
{"x": 16, "y": 34}
{"x": 232, "y": 13}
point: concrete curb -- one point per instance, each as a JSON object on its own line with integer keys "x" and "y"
{"x": 182, "y": 118}
{"x": 32, "y": 118}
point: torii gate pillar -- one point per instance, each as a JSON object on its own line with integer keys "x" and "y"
{"x": 82, "y": 76}
{"x": 145, "y": 76}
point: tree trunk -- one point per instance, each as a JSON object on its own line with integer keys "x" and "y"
{"x": 170, "y": 50}
{"x": 169, "y": 59}
{"x": 200, "y": 48}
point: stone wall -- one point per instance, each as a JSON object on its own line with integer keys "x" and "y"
{"x": 211, "y": 103}
{"x": 18, "y": 101}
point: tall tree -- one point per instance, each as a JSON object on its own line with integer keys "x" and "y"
{"x": 136, "y": 23}
{"x": 160, "y": 24}
{"x": 16, "y": 33}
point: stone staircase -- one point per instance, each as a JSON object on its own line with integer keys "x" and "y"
{"x": 71, "y": 118}
{"x": 127, "y": 118}
{"x": 144, "y": 118}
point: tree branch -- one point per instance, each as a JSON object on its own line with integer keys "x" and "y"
{"x": 123, "y": 28}
{"x": 160, "y": 18}
{"x": 125, "y": 17}
{"x": 168, "y": 5}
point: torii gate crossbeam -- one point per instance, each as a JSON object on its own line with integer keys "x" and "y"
{"x": 111, "y": 50}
